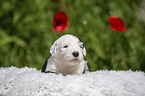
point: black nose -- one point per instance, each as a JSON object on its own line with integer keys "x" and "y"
{"x": 75, "y": 53}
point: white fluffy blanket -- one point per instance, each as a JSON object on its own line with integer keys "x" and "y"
{"x": 31, "y": 82}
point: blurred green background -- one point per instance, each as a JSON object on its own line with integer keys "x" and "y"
{"x": 26, "y": 32}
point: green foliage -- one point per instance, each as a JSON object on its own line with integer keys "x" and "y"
{"x": 26, "y": 32}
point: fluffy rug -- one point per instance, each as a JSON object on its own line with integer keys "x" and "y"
{"x": 31, "y": 82}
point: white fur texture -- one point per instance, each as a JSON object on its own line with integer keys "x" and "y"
{"x": 31, "y": 82}
{"x": 62, "y": 59}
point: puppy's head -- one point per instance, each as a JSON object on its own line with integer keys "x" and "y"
{"x": 68, "y": 49}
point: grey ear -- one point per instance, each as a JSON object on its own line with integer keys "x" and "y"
{"x": 53, "y": 48}
{"x": 84, "y": 51}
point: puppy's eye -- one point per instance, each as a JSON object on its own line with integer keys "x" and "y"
{"x": 65, "y": 46}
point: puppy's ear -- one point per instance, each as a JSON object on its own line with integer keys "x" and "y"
{"x": 53, "y": 48}
{"x": 82, "y": 46}
{"x": 84, "y": 51}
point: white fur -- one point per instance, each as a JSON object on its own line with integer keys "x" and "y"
{"x": 62, "y": 59}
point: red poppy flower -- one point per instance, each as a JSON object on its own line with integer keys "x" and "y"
{"x": 60, "y": 22}
{"x": 117, "y": 24}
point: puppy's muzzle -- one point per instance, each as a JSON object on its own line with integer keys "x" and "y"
{"x": 75, "y": 53}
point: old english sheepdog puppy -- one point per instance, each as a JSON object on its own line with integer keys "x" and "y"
{"x": 67, "y": 57}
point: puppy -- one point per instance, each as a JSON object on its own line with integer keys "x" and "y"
{"x": 67, "y": 57}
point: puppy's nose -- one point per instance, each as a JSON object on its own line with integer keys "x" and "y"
{"x": 75, "y": 53}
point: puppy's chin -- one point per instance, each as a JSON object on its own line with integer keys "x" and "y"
{"x": 69, "y": 60}
{"x": 74, "y": 61}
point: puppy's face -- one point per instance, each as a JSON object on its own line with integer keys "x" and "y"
{"x": 68, "y": 50}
